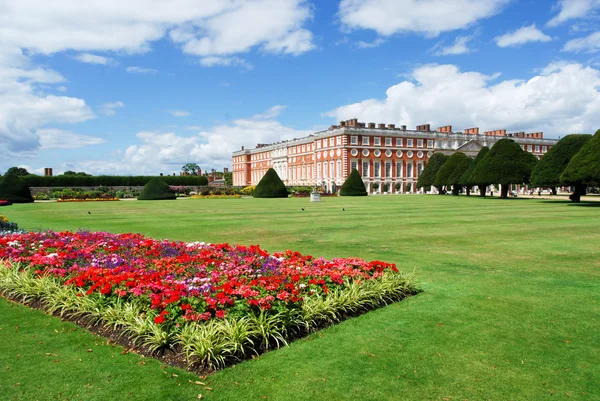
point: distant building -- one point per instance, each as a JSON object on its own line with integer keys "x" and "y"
{"x": 383, "y": 154}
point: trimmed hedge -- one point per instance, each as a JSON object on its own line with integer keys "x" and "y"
{"x": 14, "y": 189}
{"x": 110, "y": 180}
{"x": 353, "y": 186}
{"x": 157, "y": 189}
{"x": 270, "y": 186}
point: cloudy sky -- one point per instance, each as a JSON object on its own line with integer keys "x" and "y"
{"x": 144, "y": 86}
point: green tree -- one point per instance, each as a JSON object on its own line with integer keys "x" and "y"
{"x": 20, "y": 171}
{"x": 584, "y": 167}
{"x": 270, "y": 186}
{"x": 14, "y": 189}
{"x": 190, "y": 168}
{"x": 353, "y": 186}
{"x": 443, "y": 174}
{"x": 228, "y": 177}
{"x": 454, "y": 178}
{"x": 157, "y": 189}
{"x": 548, "y": 170}
{"x": 428, "y": 174}
{"x": 506, "y": 163}
{"x": 465, "y": 179}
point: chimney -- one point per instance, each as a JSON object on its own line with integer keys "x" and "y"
{"x": 199, "y": 171}
{"x": 381, "y": 126}
{"x": 48, "y": 172}
{"x": 371, "y": 125}
{"x": 242, "y": 147}
{"x": 392, "y": 126}
{"x": 225, "y": 170}
{"x": 342, "y": 123}
{"x": 403, "y": 127}
{"x": 161, "y": 174}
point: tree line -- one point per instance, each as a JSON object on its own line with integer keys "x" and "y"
{"x": 574, "y": 161}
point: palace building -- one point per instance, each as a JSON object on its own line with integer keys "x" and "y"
{"x": 389, "y": 158}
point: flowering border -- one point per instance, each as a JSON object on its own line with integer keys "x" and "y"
{"x": 208, "y": 324}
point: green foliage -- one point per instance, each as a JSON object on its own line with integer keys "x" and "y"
{"x": 157, "y": 189}
{"x": 584, "y": 167}
{"x": 228, "y": 177}
{"x": 459, "y": 171}
{"x": 444, "y": 173}
{"x": 109, "y": 180}
{"x": 506, "y": 163}
{"x": 190, "y": 168}
{"x": 73, "y": 173}
{"x": 547, "y": 172}
{"x": 465, "y": 179}
{"x": 430, "y": 171}
{"x": 20, "y": 171}
{"x": 14, "y": 189}
{"x": 270, "y": 186}
{"x": 353, "y": 186}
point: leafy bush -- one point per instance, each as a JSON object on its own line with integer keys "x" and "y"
{"x": 109, "y": 180}
{"x": 386, "y": 187}
{"x": 14, "y": 189}
{"x": 353, "y": 186}
{"x": 398, "y": 186}
{"x": 429, "y": 173}
{"x": 248, "y": 190}
{"x": 157, "y": 189}
{"x": 270, "y": 186}
{"x": 442, "y": 177}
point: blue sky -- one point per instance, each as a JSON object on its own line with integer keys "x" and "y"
{"x": 113, "y": 87}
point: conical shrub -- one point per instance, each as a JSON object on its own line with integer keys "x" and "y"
{"x": 270, "y": 186}
{"x": 353, "y": 186}
{"x": 156, "y": 189}
{"x": 14, "y": 189}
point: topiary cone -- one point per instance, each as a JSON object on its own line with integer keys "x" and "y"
{"x": 157, "y": 189}
{"x": 14, "y": 189}
{"x": 353, "y": 186}
{"x": 270, "y": 186}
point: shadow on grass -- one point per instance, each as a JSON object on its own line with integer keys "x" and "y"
{"x": 569, "y": 203}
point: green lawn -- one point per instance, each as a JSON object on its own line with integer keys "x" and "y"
{"x": 510, "y": 308}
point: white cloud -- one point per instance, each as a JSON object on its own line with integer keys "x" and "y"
{"x": 61, "y": 88}
{"x": 221, "y": 28}
{"x": 94, "y": 59}
{"x": 110, "y": 109}
{"x": 193, "y": 128}
{"x": 460, "y": 46}
{"x": 52, "y": 138}
{"x": 212, "y": 61}
{"x": 369, "y": 45}
{"x": 25, "y": 108}
{"x": 270, "y": 113}
{"x": 180, "y": 113}
{"x": 590, "y": 44}
{"x": 521, "y": 36}
{"x": 141, "y": 70}
{"x": 167, "y": 151}
{"x": 564, "y": 99}
{"x": 571, "y": 9}
{"x": 429, "y": 17}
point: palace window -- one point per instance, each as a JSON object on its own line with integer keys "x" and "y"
{"x": 419, "y": 169}
{"x": 353, "y": 165}
{"x": 376, "y": 168}
{"x": 388, "y": 169}
{"x": 409, "y": 170}
{"x": 377, "y": 141}
{"x": 353, "y": 140}
{"x": 409, "y": 143}
{"x": 339, "y": 169}
{"x": 324, "y": 169}
{"x": 398, "y": 141}
{"x": 419, "y": 143}
{"x": 544, "y": 149}
{"x": 365, "y": 169}
{"x": 331, "y": 169}
{"x": 388, "y": 141}
{"x": 537, "y": 148}
{"x": 331, "y": 141}
{"x": 399, "y": 169}
{"x": 430, "y": 143}
{"x": 319, "y": 170}
{"x": 365, "y": 140}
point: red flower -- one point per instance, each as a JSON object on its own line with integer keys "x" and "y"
{"x": 220, "y": 314}
{"x": 159, "y": 319}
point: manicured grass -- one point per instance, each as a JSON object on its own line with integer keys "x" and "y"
{"x": 510, "y": 308}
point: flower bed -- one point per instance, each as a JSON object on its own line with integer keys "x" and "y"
{"x": 216, "y": 196}
{"x": 5, "y": 202}
{"x": 209, "y": 303}
{"x": 89, "y": 200}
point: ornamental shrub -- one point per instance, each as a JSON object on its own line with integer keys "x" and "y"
{"x": 442, "y": 177}
{"x": 353, "y": 186}
{"x": 547, "y": 172}
{"x": 270, "y": 186}
{"x": 14, "y": 189}
{"x": 466, "y": 180}
{"x": 157, "y": 189}
{"x": 428, "y": 174}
